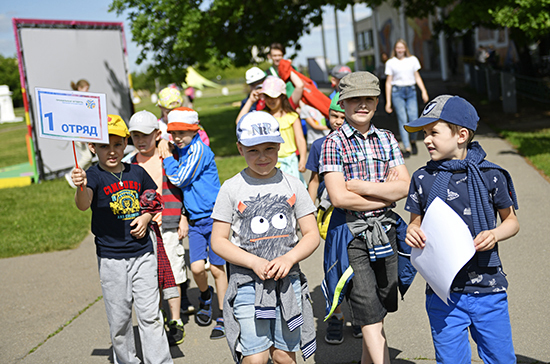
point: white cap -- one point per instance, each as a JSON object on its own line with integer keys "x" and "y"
{"x": 144, "y": 122}
{"x": 254, "y": 75}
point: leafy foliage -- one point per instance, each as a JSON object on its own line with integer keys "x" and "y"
{"x": 529, "y": 17}
{"x": 175, "y": 34}
{"x": 9, "y": 75}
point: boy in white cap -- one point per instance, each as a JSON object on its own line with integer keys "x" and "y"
{"x": 195, "y": 172}
{"x": 145, "y": 133}
{"x": 254, "y": 79}
{"x": 267, "y": 306}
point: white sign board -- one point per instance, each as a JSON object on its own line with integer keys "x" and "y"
{"x": 72, "y": 115}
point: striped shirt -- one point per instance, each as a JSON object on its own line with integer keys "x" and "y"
{"x": 368, "y": 158}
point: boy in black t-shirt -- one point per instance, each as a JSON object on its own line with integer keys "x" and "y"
{"x": 127, "y": 264}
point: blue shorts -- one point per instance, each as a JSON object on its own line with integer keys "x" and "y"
{"x": 486, "y": 315}
{"x": 258, "y": 335}
{"x": 199, "y": 242}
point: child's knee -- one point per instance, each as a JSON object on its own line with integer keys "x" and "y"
{"x": 198, "y": 267}
{"x": 283, "y": 357}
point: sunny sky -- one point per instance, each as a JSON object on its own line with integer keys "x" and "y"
{"x": 97, "y": 11}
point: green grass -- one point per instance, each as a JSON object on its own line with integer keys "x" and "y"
{"x": 40, "y": 218}
{"x": 535, "y": 146}
{"x": 13, "y": 149}
{"x": 43, "y": 217}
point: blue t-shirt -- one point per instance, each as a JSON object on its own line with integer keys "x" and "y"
{"x": 471, "y": 278}
{"x": 313, "y": 162}
{"x": 114, "y": 207}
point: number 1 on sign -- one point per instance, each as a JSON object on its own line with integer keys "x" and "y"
{"x": 49, "y": 116}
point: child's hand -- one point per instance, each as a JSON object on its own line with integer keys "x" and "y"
{"x": 164, "y": 148}
{"x": 302, "y": 165}
{"x": 183, "y": 227}
{"x": 255, "y": 95}
{"x": 259, "y": 266}
{"x": 415, "y": 237}
{"x": 279, "y": 267}
{"x": 78, "y": 175}
{"x": 485, "y": 240}
{"x": 140, "y": 223}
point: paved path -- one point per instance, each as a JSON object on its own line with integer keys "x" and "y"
{"x": 42, "y": 293}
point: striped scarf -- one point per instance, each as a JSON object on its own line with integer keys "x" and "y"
{"x": 483, "y": 214}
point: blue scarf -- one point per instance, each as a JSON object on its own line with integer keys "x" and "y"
{"x": 483, "y": 214}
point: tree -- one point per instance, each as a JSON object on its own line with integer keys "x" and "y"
{"x": 531, "y": 18}
{"x": 175, "y": 34}
{"x": 9, "y": 75}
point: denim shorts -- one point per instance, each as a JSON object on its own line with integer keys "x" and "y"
{"x": 373, "y": 291}
{"x": 258, "y": 335}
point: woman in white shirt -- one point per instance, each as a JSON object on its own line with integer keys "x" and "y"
{"x": 402, "y": 78}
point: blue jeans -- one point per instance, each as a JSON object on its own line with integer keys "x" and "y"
{"x": 406, "y": 108}
{"x": 484, "y": 315}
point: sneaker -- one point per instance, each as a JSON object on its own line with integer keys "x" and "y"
{"x": 176, "y": 333}
{"x": 335, "y": 331}
{"x": 406, "y": 154}
{"x": 357, "y": 333}
{"x": 218, "y": 332}
{"x": 204, "y": 316}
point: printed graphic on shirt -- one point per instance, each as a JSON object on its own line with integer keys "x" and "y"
{"x": 125, "y": 204}
{"x": 266, "y": 228}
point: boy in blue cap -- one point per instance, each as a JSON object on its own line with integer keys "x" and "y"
{"x": 476, "y": 190}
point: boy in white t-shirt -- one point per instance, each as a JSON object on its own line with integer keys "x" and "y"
{"x": 267, "y": 305}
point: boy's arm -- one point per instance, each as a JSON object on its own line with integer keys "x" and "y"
{"x": 301, "y": 144}
{"x": 341, "y": 197}
{"x": 315, "y": 125}
{"x": 298, "y": 88}
{"x": 313, "y": 186}
{"x": 181, "y": 175}
{"x": 509, "y": 227}
{"x": 252, "y": 98}
{"x": 223, "y": 247}
{"x": 415, "y": 236}
{"x": 390, "y": 190}
{"x": 84, "y": 195}
{"x": 183, "y": 227}
{"x": 280, "y": 266}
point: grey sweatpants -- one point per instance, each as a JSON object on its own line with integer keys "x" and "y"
{"x": 127, "y": 281}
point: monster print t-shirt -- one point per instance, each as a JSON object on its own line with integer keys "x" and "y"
{"x": 263, "y": 212}
{"x": 114, "y": 206}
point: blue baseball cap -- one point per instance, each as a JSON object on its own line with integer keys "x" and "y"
{"x": 452, "y": 109}
{"x": 258, "y": 127}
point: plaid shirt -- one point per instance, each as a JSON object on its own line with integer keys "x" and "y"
{"x": 367, "y": 158}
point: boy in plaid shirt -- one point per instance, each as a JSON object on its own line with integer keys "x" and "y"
{"x": 365, "y": 175}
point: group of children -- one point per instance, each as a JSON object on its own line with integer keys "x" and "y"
{"x": 251, "y": 223}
